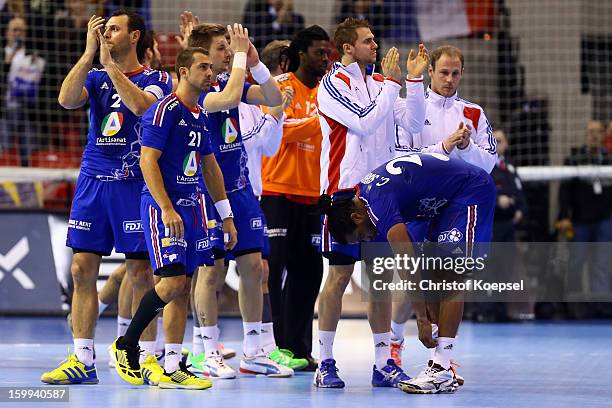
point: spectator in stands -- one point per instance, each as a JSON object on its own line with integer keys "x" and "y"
{"x": 269, "y": 20}
{"x": 586, "y": 207}
{"x": 25, "y": 69}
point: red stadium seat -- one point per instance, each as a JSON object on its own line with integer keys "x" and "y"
{"x": 10, "y": 157}
{"x": 56, "y": 159}
{"x": 168, "y": 47}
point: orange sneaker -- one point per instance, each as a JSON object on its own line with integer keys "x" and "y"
{"x": 396, "y": 351}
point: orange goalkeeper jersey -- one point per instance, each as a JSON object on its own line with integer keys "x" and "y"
{"x": 295, "y": 168}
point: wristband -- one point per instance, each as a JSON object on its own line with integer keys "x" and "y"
{"x": 417, "y": 79}
{"x": 224, "y": 209}
{"x": 240, "y": 59}
{"x": 260, "y": 73}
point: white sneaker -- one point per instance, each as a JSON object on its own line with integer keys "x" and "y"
{"x": 215, "y": 367}
{"x": 111, "y": 357}
{"x": 434, "y": 379}
{"x": 261, "y": 364}
{"x": 226, "y": 352}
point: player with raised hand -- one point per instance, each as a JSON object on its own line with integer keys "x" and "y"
{"x": 118, "y": 95}
{"x": 221, "y": 103}
{"x": 359, "y": 111}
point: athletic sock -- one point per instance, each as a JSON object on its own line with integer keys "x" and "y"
{"x": 122, "y": 325}
{"x": 160, "y": 339}
{"x": 381, "y": 348}
{"x": 444, "y": 351}
{"x": 397, "y": 331}
{"x": 252, "y": 338}
{"x": 149, "y": 307}
{"x": 210, "y": 340}
{"x": 326, "y": 343}
{"x": 83, "y": 348}
{"x": 434, "y": 335}
{"x": 196, "y": 339}
{"x": 101, "y": 308}
{"x": 147, "y": 348}
{"x": 268, "y": 343}
{"x": 173, "y": 357}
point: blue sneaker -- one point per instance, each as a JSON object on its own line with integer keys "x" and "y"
{"x": 388, "y": 376}
{"x": 326, "y": 375}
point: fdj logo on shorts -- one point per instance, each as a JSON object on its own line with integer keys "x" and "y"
{"x": 132, "y": 226}
{"x": 256, "y": 223}
{"x": 190, "y": 164}
{"x": 202, "y": 244}
{"x": 230, "y": 130}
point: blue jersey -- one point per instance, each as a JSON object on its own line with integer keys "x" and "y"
{"x": 226, "y": 140}
{"x": 113, "y": 142}
{"x": 418, "y": 187}
{"x": 181, "y": 134}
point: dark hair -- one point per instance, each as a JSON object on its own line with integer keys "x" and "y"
{"x": 449, "y": 50}
{"x": 274, "y": 54}
{"x": 346, "y": 32}
{"x": 148, "y": 42}
{"x": 202, "y": 35}
{"x": 185, "y": 58}
{"x": 135, "y": 23}
{"x": 301, "y": 41}
{"x": 338, "y": 211}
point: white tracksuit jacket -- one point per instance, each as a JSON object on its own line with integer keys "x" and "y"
{"x": 442, "y": 118}
{"x": 358, "y": 122}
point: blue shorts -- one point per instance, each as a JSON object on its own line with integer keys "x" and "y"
{"x": 465, "y": 225}
{"x": 248, "y": 219}
{"x": 191, "y": 251}
{"x": 106, "y": 214}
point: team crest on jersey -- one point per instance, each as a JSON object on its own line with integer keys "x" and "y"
{"x": 453, "y": 235}
{"x": 230, "y": 130}
{"x": 190, "y": 164}
{"x": 370, "y": 177}
{"x": 111, "y": 125}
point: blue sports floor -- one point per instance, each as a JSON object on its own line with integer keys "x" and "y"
{"x": 565, "y": 364}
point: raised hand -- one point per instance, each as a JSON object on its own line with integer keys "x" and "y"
{"x": 105, "y": 55}
{"x": 239, "y": 38}
{"x": 390, "y": 65}
{"x": 252, "y": 56}
{"x": 277, "y": 111}
{"x": 187, "y": 22}
{"x": 417, "y": 62}
{"x": 93, "y": 30}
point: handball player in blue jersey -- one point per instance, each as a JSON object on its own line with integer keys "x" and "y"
{"x": 105, "y": 210}
{"x": 458, "y": 199}
{"x": 226, "y": 139}
{"x": 176, "y": 153}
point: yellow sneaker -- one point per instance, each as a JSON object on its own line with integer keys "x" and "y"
{"x": 183, "y": 379}
{"x": 71, "y": 371}
{"x": 127, "y": 365}
{"x": 151, "y": 370}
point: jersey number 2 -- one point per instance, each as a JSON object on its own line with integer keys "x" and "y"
{"x": 117, "y": 103}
